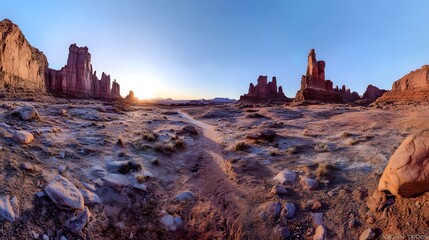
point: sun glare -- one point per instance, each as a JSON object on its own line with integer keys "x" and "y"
{"x": 144, "y": 93}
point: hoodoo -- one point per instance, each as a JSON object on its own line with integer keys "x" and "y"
{"x": 315, "y": 87}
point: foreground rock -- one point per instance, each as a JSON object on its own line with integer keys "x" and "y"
{"x": 21, "y": 65}
{"x": 78, "y": 222}
{"x": 117, "y": 181}
{"x": 286, "y": 176}
{"x": 64, "y": 193}
{"x": 320, "y": 233}
{"x": 89, "y": 198}
{"x": 264, "y": 91}
{"x": 7, "y": 212}
{"x": 315, "y": 87}
{"x": 26, "y": 113}
{"x": 368, "y": 234}
{"x": 407, "y": 173}
{"x": 23, "y": 137}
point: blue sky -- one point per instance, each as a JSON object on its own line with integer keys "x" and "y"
{"x": 203, "y": 49}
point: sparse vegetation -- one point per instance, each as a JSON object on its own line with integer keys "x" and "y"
{"x": 291, "y": 150}
{"x": 150, "y": 136}
{"x": 351, "y": 142}
{"x": 345, "y": 134}
{"x": 325, "y": 170}
{"x": 241, "y": 146}
{"x": 274, "y": 152}
{"x": 121, "y": 142}
{"x": 179, "y": 144}
{"x": 164, "y": 148}
{"x": 321, "y": 147}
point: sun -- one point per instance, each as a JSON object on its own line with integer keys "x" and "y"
{"x": 143, "y": 93}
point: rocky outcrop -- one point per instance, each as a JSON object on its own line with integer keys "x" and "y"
{"x": 22, "y": 66}
{"x": 412, "y": 87}
{"x": 314, "y": 86}
{"x": 264, "y": 91}
{"x": 372, "y": 93}
{"x": 77, "y": 78}
{"x": 407, "y": 173}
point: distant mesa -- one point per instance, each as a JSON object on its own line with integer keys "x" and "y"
{"x": 264, "y": 91}
{"x": 413, "y": 87}
{"x": 23, "y": 67}
{"x": 315, "y": 87}
{"x": 372, "y": 93}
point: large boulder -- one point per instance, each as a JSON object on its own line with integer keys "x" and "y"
{"x": 64, "y": 193}
{"x": 407, "y": 172}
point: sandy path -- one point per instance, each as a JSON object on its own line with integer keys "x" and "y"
{"x": 223, "y": 201}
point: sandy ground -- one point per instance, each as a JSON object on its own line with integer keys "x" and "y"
{"x": 231, "y": 187}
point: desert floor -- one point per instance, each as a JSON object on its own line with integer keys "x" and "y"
{"x": 345, "y": 148}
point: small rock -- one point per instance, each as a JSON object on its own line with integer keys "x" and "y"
{"x": 190, "y": 129}
{"x": 27, "y": 167}
{"x": 63, "y": 238}
{"x": 15, "y": 206}
{"x": 281, "y": 232}
{"x": 185, "y": 196}
{"x": 117, "y": 181}
{"x": 45, "y": 237}
{"x": 320, "y": 233}
{"x": 78, "y": 222}
{"x": 23, "y": 137}
{"x": 34, "y": 234}
{"x": 6, "y": 210}
{"x": 62, "y": 155}
{"x": 267, "y": 134}
{"x": 64, "y": 193}
{"x": 270, "y": 210}
{"x": 308, "y": 183}
{"x": 286, "y": 176}
{"x": 40, "y": 194}
{"x": 278, "y": 190}
{"x": 89, "y": 198}
{"x": 290, "y": 210}
{"x": 313, "y": 205}
{"x": 89, "y": 186}
{"x": 140, "y": 186}
{"x": 62, "y": 168}
{"x": 178, "y": 221}
{"x": 167, "y": 220}
{"x": 317, "y": 218}
{"x": 368, "y": 234}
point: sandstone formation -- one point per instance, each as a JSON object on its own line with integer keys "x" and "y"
{"x": 78, "y": 80}
{"x": 264, "y": 91}
{"x": 21, "y": 65}
{"x": 372, "y": 93}
{"x": 412, "y": 87}
{"x": 315, "y": 87}
{"x": 407, "y": 172}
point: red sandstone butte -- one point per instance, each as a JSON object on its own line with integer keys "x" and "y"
{"x": 372, "y": 93}
{"x": 264, "y": 91}
{"x": 315, "y": 87}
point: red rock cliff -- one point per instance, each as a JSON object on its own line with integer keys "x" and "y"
{"x": 21, "y": 65}
{"x": 264, "y": 91}
{"x": 77, "y": 79}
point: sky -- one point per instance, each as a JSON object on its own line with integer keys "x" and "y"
{"x": 192, "y": 49}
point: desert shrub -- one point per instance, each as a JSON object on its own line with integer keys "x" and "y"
{"x": 351, "y": 142}
{"x": 164, "y": 148}
{"x": 241, "y": 146}
{"x": 291, "y": 150}
{"x": 345, "y": 134}
{"x": 150, "y": 136}
{"x": 130, "y": 167}
{"x": 325, "y": 170}
{"x": 321, "y": 147}
{"x": 274, "y": 152}
{"x": 121, "y": 142}
{"x": 179, "y": 144}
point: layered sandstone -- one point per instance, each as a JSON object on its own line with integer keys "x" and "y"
{"x": 21, "y": 65}
{"x": 372, "y": 93}
{"x": 77, "y": 78}
{"x": 264, "y": 91}
{"x": 314, "y": 86}
{"x": 412, "y": 87}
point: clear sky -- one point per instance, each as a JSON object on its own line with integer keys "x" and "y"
{"x": 187, "y": 49}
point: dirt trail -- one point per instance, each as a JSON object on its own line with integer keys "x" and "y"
{"x": 218, "y": 212}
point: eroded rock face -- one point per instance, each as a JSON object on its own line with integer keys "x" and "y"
{"x": 264, "y": 91}
{"x": 372, "y": 93}
{"x": 407, "y": 173}
{"x": 314, "y": 86}
{"x": 78, "y": 80}
{"x": 412, "y": 87}
{"x": 21, "y": 65}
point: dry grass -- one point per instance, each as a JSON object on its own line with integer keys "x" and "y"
{"x": 179, "y": 144}
{"x": 241, "y": 146}
{"x": 351, "y": 142}
{"x": 321, "y": 147}
{"x": 274, "y": 152}
{"x": 149, "y": 136}
{"x": 164, "y": 148}
{"x": 121, "y": 142}
{"x": 325, "y": 170}
{"x": 291, "y": 150}
{"x": 345, "y": 134}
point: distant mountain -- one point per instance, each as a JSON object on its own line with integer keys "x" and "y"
{"x": 169, "y": 101}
